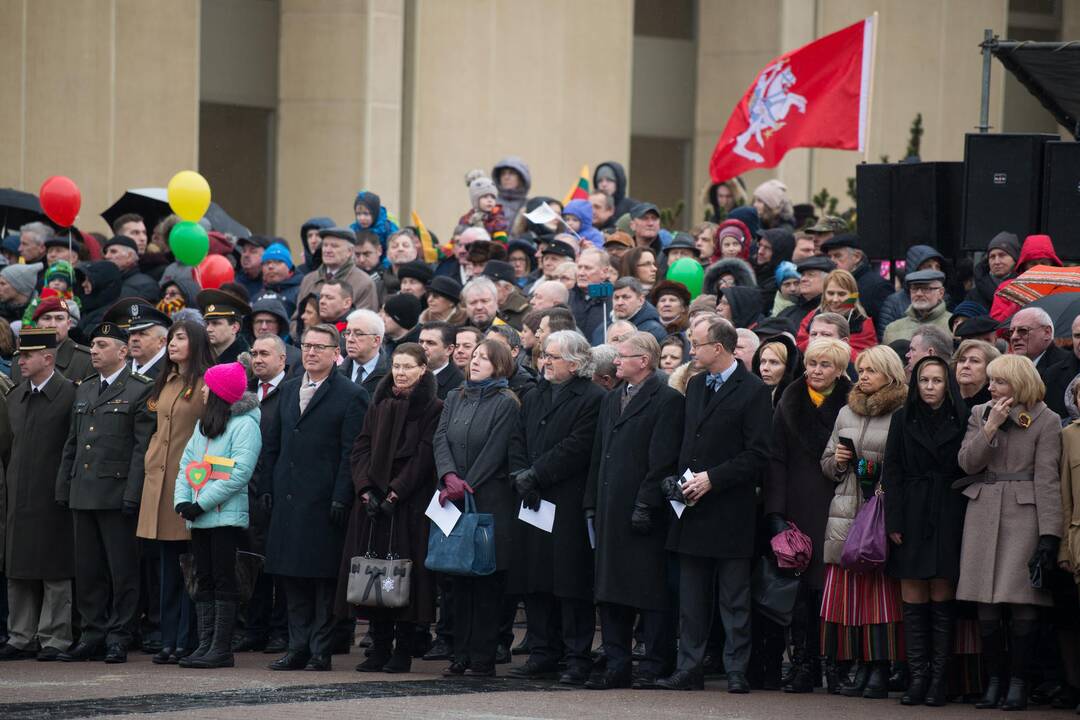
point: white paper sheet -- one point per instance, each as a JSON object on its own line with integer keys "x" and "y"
{"x": 592, "y": 532}
{"x": 445, "y": 517}
{"x": 677, "y": 506}
{"x": 544, "y": 518}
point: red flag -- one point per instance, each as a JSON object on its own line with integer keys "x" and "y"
{"x": 815, "y": 96}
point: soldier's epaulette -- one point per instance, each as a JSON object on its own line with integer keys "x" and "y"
{"x": 142, "y": 378}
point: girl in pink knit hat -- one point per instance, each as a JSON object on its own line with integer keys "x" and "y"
{"x": 211, "y": 495}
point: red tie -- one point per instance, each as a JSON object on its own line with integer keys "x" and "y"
{"x": 266, "y": 389}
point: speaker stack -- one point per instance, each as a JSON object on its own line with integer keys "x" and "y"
{"x": 1061, "y": 197}
{"x": 905, "y": 204}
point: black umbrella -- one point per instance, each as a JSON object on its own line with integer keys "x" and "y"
{"x": 1062, "y": 308}
{"x": 18, "y": 208}
{"x": 153, "y": 205}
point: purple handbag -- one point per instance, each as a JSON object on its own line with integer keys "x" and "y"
{"x": 866, "y": 547}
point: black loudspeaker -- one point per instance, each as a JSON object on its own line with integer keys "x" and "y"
{"x": 905, "y": 204}
{"x": 1003, "y": 176}
{"x": 1061, "y": 198}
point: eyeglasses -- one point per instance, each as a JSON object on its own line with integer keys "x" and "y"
{"x": 702, "y": 345}
{"x": 1022, "y": 331}
{"x": 924, "y": 289}
{"x": 549, "y": 356}
{"x": 315, "y": 347}
{"x": 620, "y": 356}
{"x": 403, "y": 368}
{"x": 357, "y": 334}
{"x": 647, "y": 263}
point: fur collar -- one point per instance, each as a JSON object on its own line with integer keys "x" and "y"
{"x": 807, "y": 425}
{"x": 883, "y": 402}
{"x": 247, "y": 402}
{"x": 421, "y": 396}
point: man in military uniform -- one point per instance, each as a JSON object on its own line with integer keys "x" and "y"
{"x": 72, "y": 359}
{"x": 147, "y": 329}
{"x": 224, "y": 314}
{"x": 100, "y": 479}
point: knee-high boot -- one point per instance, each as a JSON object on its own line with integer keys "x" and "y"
{"x": 916, "y": 638}
{"x": 942, "y": 620}
{"x": 993, "y": 655}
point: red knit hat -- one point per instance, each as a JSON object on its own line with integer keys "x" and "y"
{"x": 227, "y": 381}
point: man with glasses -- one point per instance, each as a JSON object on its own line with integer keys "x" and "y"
{"x": 638, "y": 435}
{"x": 308, "y": 493}
{"x": 1031, "y": 333}
{"x": 366, "y": 364}
{"x": 927, "y": 290}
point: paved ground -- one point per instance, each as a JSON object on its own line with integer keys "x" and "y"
{"x": 54, "y": 691}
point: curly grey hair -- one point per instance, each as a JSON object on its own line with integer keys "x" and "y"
{"x": 575, "y": 348}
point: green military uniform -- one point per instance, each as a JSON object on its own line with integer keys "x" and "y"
{"x": 100, "y": 479}
{"x": 72, "y": 361}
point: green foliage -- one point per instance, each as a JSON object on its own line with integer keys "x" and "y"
{"x": 669, "y": 216}
{"x": 915, "y": 138}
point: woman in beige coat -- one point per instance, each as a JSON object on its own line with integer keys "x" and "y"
{"x": 1011, "y": 452}
{"x": 177, "y": 402}
{"x": 1066, "y": 622}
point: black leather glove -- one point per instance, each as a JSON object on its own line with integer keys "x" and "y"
{"x": 641, "y": 519}
{"x": 62, "y": 503}
{"x": 525, "y": 481}
{"x": 531, "y": 500}
{"x": 371, "y": 505}
{"x": 337, "y": 514}
{"x": 267, "y": 501}
{"x": 775, "y": 524}
{"x": 131, "y": 508}
{"x": 671, "y": 489}
{"x": 387, "y": 507}
{"x": 190, "y": 511}
{"x": 1046, "y": 552}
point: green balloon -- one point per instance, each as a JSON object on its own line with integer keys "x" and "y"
{"x": 189, "y": 242}
{"x": 689, "y": 272}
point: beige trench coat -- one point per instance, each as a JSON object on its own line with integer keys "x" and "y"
{"x": 1004, "y": 519}
{"x": 1070, "y": 498}
{"x": 176, "y": 418}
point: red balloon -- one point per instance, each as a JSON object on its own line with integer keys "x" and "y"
{"x": 214, "y": 271}
{"x": 60, "y": 199}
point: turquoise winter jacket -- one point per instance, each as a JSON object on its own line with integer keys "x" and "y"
{"x": 231, "y": 457}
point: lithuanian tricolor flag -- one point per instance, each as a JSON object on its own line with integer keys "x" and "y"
{"x": 580, "y": 189}
{"x": 431, "y": 253}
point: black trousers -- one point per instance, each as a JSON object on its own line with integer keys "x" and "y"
{"x": 658, "y": 634}
{"x": 477, "y": 601}
{"x": 106, "y": 575}
{"x": 266, "y": 609}
{"x": 697, "y": 576}
{"x": 444, "y": 628}
{"x": 560, "y": 628}
{"x": 215, "y": 562}
{"x": 3, "y": 606}
{"x": 177, "y": 610}
{"x": 311, "y": 614}
{"x": 148, "y": 615}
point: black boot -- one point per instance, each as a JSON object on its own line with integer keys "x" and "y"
{"x": 877, "y": 685}
{"x": 856, "y": 686}
{"x": 1022, "y": 639}
{"x": 942, "y": 620}
{"x": 220, "y": 654}
{"x": 378, "y": 653}
{"x": 204, "y": 616}
{"x": 836, "y": 675}
{"x": 993, "y": 655}
{"x": 916, "y": 637}
{"x": 401, "y": 658}
{"x": 802, "y": 677}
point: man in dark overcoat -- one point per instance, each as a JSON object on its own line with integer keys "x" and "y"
{"x": 553, "y": 570}
{"x": 726, "y": 448}
{"x": 637, "y": 445}
{"x": 39, "y": 557}
{"x": 100, "y": 479}
{"x": 310, "y": 492}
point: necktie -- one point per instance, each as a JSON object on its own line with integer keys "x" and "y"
{"x": 628, "y": 395}
{"x": 306, "y": 393}
{"x": 35, "y": 391}
{"x": 103, "y": 388}
{"x": 360, "y": 373}
{"x": 714, "y": 381}
{"x": 266, "y": 390}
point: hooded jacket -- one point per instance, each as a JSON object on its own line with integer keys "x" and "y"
{"x": 894, "y": 306}
{"x": 312, "y": 258}
{"x": 782, "y": 241}
{"x": 105, "y": 289}
{"x": 1036, "y": 247}
{"x": 745, "y": 305}
{"x": 792, "y": 369}
{"x": 382, "y": 226}
{"x": 739, "y": 269}
{"x": 582, "y": 210}
{"x": 623, "y": 203}
{"x": 904, "y": 327}
{"x": 513, "y": 200}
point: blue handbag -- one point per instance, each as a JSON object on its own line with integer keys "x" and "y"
{"x": 469, "y": 549}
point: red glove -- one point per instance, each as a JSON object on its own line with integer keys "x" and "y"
{"x": 453, "y": 488}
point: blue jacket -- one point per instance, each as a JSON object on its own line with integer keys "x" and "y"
{"x": 582, "y": 210}
{"x": 224, "y": 501}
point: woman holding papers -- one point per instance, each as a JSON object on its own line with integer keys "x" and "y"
{"x": 393, "y": 471}
{"x": 476, "y": 446}
{"x": 796, "y": 490}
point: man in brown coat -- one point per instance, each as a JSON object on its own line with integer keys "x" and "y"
{"x": 39, "y": 549}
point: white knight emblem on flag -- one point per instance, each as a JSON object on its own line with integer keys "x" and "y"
{"x": 769, "y": 105}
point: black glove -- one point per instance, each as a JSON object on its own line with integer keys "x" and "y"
{"x": 775, "y": 524}
{"x": 337, "y": 514}
{"x": 371, "y": 505}
{"x": 1046, "y": 552}
{"x": 62, "y": 503}
{"x": 525, "y": 482}
{"x": 131, "y": 508}
{"x": 267, "y": 501}
{"x": 531, "y": 500}
{"x": 190, "y": 511}
{"x": 387, "y": 507}
{"x": 641, "y": 519}
{"x": 672, "y": 489}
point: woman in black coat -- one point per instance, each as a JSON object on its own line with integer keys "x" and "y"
{"x": 777, "y": 362}
{"x": 477, "y": 444}
{"x": 924, "y": 517}
{"x": 393, "y": 470}
{"x": 796, "y": 490}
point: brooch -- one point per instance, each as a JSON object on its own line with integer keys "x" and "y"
{"x": 1023, "y": 420}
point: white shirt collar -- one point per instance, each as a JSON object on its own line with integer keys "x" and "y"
{"x": 443, "y": 367}
{"x": 136, "y": 367}
{"x": 316, "y": 383}
{"x": 112, "y": 378}
{"x": 369, "y": 366}
{"x": 38, "y": 388}
{"x": 273, "y": 382}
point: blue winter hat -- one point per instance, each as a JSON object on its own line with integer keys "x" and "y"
{"x": 278, "y": 252}
{"x": 749, "y": 216}
{"x": 969, "y": 309}
{"x": 784, "y": 271}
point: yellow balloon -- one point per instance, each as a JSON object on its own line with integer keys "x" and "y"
{"x": 189, "y": 195}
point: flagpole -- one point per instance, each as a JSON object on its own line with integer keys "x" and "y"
{"x": 870, "y": 91}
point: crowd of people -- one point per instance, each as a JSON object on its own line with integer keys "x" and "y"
{"x": 197, "y": 479}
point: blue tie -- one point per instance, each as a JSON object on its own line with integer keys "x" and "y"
{"x": 713, "y": 381}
